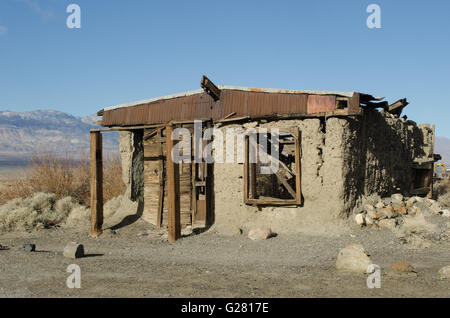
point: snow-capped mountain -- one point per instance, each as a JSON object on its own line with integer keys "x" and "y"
{"x": 24, "y": 133}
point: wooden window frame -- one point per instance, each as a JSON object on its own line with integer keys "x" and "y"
{"x": 296, "y": 134}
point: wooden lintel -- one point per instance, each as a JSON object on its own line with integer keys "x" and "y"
{"x": 155, "y": 126}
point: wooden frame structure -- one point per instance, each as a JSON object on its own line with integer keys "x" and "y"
{"x": 250, "y": 173}
{"x": 96, "y": 183}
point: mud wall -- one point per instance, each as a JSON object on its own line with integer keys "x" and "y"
{"x": 323, "y": 182}
{"x": 132, "y": 154}
{"x": 388, "y": 149}
{"x": 344, "y": 162}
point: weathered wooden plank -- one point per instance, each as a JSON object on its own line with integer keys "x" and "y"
{"x": 173, "y": 190}
{"x": 298, "y": 170}
{"x": 96, "y": 183}
{"x": 286, "y": 184}
{"x": 162, "y": 180}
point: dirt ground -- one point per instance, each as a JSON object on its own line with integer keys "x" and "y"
{"x": 126, "y": 264}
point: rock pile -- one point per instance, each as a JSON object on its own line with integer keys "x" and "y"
{"x": 389, "y": 212}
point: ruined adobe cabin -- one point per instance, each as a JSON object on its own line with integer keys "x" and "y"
{"x": 336, "y": 149}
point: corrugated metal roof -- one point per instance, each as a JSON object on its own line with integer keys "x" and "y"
{"x": 234, "y": 88}
{"x": 242, "y": 102}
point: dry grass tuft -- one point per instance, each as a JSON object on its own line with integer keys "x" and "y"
{"x": 64, "y": 177}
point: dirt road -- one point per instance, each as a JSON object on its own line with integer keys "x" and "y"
{"x": 207, "y": 265}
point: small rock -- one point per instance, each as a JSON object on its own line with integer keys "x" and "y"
{"x": 374, "y": 215}
{"x": 419, "y": 199}
{"x": 436, "y": 208}
{"x": 143, "y": 233}
{"x": 28, "y": 247}
{"x": 387, "y": 201}
{"x": 411, "y": 200}
{"x": 359, "y": 218}
{"x": 73, "y": 250}
{"x": 379, "y": 205}
{"x": 368, "y": 220}
{"x": 409, "y": 204}
{"x": 353, "y": 259}
{"x": 444, "y": 272}
{"x": 387, "y": 212}
{"x": 413, "y": 210}
{"x": 397, "y": 204}
{"x": 369, "y": 207}
{"x": 402, "y": 210}
{"x": 387, "y": 223}
{"x": 260, "y": 233}
{"x": 397, "y": 197}
{"x": 421, "y": 205}
{"x": 403, "y": 267}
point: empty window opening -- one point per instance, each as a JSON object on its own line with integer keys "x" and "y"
{"x": 272, "y": 167}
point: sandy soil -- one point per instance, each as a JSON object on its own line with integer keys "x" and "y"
{"x": 123, "y": 264}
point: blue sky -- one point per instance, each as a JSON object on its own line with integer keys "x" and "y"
{"x": 131, "y": 50}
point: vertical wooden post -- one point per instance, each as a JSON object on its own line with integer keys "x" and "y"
{"x": 298, "y": 168}
{"x": 173, "y": 190}
{"x": 96, "y": 166}
{"x": 162, "y": 179}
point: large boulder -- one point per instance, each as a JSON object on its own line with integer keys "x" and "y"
{"x": 260, "y": 233}
{"x": 353, "y": 259}
{"x": 444, "y": 272}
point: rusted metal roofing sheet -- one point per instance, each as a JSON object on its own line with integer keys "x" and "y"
{"x": 251, "y": 102}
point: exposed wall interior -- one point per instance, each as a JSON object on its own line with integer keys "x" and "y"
{"x": 345, "y": 161}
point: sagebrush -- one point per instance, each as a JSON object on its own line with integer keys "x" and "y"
{"x": 64, "y": 177}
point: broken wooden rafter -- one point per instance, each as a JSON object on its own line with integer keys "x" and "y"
{"x": 228, "y": 116}
{"x": 211, "y": 89}
{"x": 397, "y": 107}
{"x": 286, "y": 184}
{"x": 150, "y": 134}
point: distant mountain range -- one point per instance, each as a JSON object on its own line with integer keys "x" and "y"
{"x": 442, "y": 147}
{"x": 25, "y": 133}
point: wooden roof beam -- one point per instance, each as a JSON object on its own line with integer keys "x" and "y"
{"x": 211, "y": 89}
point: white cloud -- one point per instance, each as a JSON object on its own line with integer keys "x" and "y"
{"x": 3, "y": 30}
{"x": 36, "y": 7}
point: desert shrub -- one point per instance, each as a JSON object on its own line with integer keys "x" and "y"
{"x": 41, "y": 209}
{"x": 63, "y": 177}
